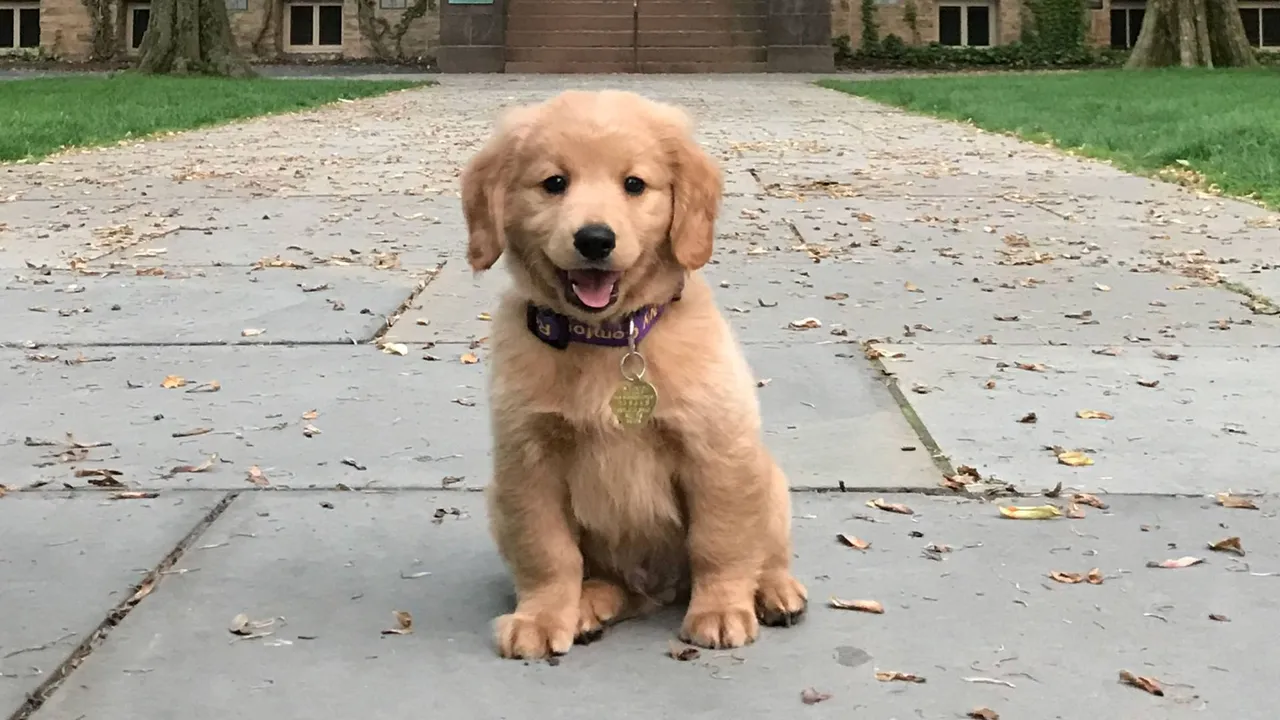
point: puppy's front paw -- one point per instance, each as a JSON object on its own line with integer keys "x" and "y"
{"x": 529, "y": 636}
{"x": 720, "y": 628}
{"x": 780, "y": 600}
{"x": 602, "y": 603}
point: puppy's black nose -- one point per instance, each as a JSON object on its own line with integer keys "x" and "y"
{"x": 595, "y": 241}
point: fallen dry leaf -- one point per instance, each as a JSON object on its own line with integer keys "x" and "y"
{"x": 983, "y": 713}
{"x": 310, "y": 430}
{"x": 192, "y": 432}
{"x": 1165, "y": 355}
{"x": 1074, "y": 512}
{"x": 252, "y": 332}
{"x": 880, "y": 504}
{"x": 866, "y": 606}
{"x": 893, "y": 675}
{"x": 131, "y": 495}
{"x": 838, "y": 296}
{"x": 1227, "y": 500}
{"x": 1090, "y": 500}
{"x": 990, "y": 384}
{"x": 910, "y": 287}
{"x": 394, "y": 348}
{"x": 1103, "y": 288}
{"x": 683, "y": 653}
{"x": 311, "y": 415}
{"x": 1228, "y": 545}
{"x": 484, "y": 316}
{"x": 1032, "y": 367}
{"x": 986, "y": 340}
{"x": 173, "y": 381}
{"x": 1094, "y": 415}
{"x": 209, "y": 387}
{"x": 469, "y": 359}
{"x": 1029, "y": 419}
{"x": 854, "y": 542}
{"x": 810, "y": 696}
{"x": 404, "y": 623}
{"x": 1148, "y": 684}
{"x": 202, "y": 467}
{"x": 1094, "y": 577}
{"x": 1074, "y": 458}
{"x": 1148, "y": 383}
{"x": 256, "y": 477}
{"x": 1035, "y": 512}
{"x": 1181, "y": 562}
{"x": 1219, "y": 618}
{"x": 808, "y": 323}
{"x": 1067, "y": 578}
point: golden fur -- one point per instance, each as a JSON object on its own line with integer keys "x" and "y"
{"x": 598, "y": 522}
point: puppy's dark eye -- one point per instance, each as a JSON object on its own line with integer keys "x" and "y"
{"x": 633, "y": 185}
{"x": 556, "y": 184}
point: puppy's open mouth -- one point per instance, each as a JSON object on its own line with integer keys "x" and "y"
{"x": 591, "y": 289}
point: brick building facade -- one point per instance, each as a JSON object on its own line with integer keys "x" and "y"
{"x": 570, "y": 35}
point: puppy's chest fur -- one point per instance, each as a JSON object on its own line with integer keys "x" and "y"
{"x": 622, "y": 482}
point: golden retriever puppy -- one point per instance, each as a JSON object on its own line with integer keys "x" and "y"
{"x": 629, "y": 468}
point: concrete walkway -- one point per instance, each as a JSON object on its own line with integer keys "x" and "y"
{"x": 219, "y": 489}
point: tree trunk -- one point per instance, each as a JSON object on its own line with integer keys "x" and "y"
{"x": 1192, "y": 33}
{"x": 191, "y": 37}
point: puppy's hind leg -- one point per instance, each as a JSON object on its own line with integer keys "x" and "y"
{"x": 781, "y": 600}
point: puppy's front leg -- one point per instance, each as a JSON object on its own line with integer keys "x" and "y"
{"x": 727, "y": 499}
{"x": 528, "y": 509}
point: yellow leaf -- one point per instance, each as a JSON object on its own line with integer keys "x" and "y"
{"x": 1075, "y": 458}
{"x": 173, "y": 381}
{"x": 1094, "y": 415}
{"x": 1035, "y": 512}
{"x": 469, "y": 359}
{"x": 866, "y": 606}
{"x": 395, "y": 348}
{"x": 484, "y": 316}
{"x": 856, "y": 543}
{"x": 1228, "y": 500}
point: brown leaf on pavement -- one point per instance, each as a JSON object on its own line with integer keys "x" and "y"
{"x": 809, "y": 323}
{"x": 683, "y": 653}
{"x": 852, "y": 541}
{"x": 1228, "y": 545}
{"x": 866, "y": 606}
{"x": 1094, "y": 415}
{"x": 1149, "y": 684}
{"x": 1148, "y": 383}
{"x": 277, "y": 262}
{"x": 1094, "y": 577}
{"x": 910, "y": 287}
{"x": 310, "y": 430}
{"x": 1032, "y": 367}
{"x": 986, "y": 340}
{"x": 990, "y": 384}
{"x": 469, "y": 359}
{"x": 1219, "y": 618}
{"x": 899, "y": 508}
{"x": 811, "y": 696}
{"x": 311, "y": 415}
{"x": 1165, "y": 355}
{"x": 1090, "y": 500}
{"x": 983, "y": 713}
{"x": 133, "y": 495}
{"x": 255, "y": 476}
{"x": 838, "y": 296}
{"x": 893, "y": 675}
{"x": 1175, "y": 564}
{"x": 173, "y": 381}
{"x": 1029, "y": 419}
{"x": 404, "y": 623}
{"x": 1036, "y": 512}
{"x": 1006, "y": 318}
{"x": 101, "y": 477}
{"x": 1067, "y": 578}
{"x": 210, "y": 387}
{"x": 202, "y": 467}
{"x": 192, "y": 432}
{"x": 1074, "y": 512}
{"x": 1227, "y": 500}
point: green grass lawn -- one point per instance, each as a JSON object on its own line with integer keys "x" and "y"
{"x": 1223, "y": 124}
{"x": 42, "y": 115}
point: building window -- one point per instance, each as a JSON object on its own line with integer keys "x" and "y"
{"x": 313, "y": 26}
{"x": 19, "y": 26}
{"x": 237, "y": 5}
{"x": 1261, "y": 26}
{"x": 970, "y": 25}
{"x": 136, "y": 24}
{"x": 1126, "y": 25}
{"x": 393, "y": 4}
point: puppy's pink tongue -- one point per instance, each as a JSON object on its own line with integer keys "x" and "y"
{"x": 593, "y": 287}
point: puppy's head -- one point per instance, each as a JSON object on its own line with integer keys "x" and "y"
{"x": 602, "y": 200}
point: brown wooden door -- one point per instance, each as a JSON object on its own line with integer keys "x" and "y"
{"x": 626, "y": 36}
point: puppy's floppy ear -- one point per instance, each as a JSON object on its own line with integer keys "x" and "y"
{"x": 698, "y": 185}
{"x": 484, "y": 189}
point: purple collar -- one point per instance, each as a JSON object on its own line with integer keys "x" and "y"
{"x": 559, "y": 330}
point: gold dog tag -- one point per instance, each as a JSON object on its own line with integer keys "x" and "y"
{"x": 633, "y": 402}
